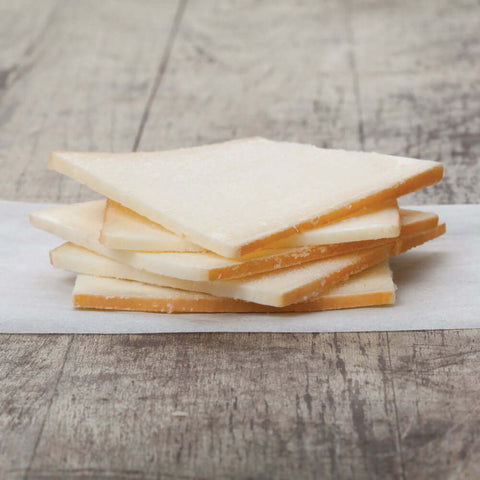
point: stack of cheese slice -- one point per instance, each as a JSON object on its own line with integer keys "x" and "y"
{"x": 243, "y": 226}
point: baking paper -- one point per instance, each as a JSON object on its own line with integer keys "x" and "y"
{"x": 438, "y": 288}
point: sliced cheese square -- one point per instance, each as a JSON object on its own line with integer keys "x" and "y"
{"x": 81, "y": 223}
{"x": 278, "y": 288}
{"x": 368, "y": 288}
{"x": 125, "y": 230}
{"x": 235, "y": 197}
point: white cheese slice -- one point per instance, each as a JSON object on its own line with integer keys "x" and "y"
{"x": 278, "y": 288}
{"x": 370, "y": 287}
{"x": 235, "y": 197}
{"x": 126, "y": 230}
{"x": 81, "y": 223}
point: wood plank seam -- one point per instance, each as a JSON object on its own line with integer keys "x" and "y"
{"x": 395, "y": 407}
{"x": 10, "y": 75}
{"x": 161, "y": 70}
{"x": 354, "y": 68}
{"x": 22, "y": 68}
{"x": 47, "y": 412}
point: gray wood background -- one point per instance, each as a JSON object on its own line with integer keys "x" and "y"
{"x": 395, "y": 76}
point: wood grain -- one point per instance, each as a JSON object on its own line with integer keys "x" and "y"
{"x": 398, "y": 77}
{"x": 246, "y": 68}
{"x": 436, "y": 383}
{"x": 86, "y": 78}
{"x": 30, "y": 370}
{"x": 390, "y": 76}
{"x": 420, "y": 88}
{"x": 370, "y": 405}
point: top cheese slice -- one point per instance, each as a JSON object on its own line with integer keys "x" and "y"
{"x": 233, "y": 198}
{"x": 124, "y": 229}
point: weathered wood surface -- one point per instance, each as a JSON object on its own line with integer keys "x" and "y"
{"x": 81, "y": 82}
{"x": 399, "y": 77}
{"x": 419, "y": 87}
{"x": 395, "y": 76}
{"x": 370, "y": 405}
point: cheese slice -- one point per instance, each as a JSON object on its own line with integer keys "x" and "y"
{"x": 124, "y": 229}
{"x": 371, "y": 287}
{"x": 81, "y": 223}
{"x": 235, "y": 197}
{"x": 278, "y": 288}
{"x": 406, "y": 242}
{"x": 414, "y": 221}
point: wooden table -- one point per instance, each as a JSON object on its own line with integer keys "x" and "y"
{"x": 400, "y": 77}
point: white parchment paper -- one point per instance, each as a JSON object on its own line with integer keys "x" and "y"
{"x": 438, "y": 287}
